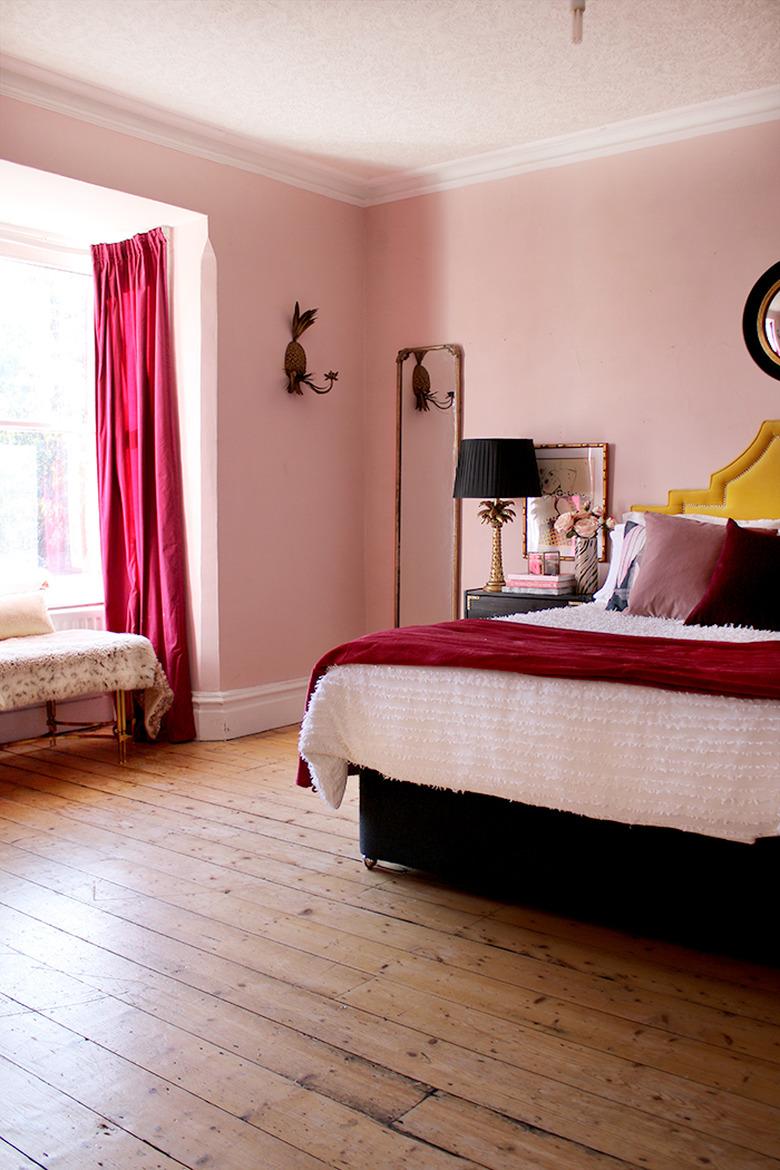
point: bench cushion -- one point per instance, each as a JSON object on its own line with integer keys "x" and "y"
{"x": 70, "y": 664}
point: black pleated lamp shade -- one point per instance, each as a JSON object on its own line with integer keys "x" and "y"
{"x": 493, "y": 469}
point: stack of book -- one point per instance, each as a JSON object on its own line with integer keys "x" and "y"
{"x": 552, "y": 586}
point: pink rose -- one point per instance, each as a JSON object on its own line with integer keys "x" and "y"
{"x": 587, "y": 527}
{"x": 564, "y": 522}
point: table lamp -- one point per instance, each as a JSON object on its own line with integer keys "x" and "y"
{"x": 489, "y": 469}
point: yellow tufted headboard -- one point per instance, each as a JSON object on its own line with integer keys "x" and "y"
{"x": 747, "y": 489}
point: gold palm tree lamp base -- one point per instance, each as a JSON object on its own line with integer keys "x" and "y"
{"x": 497, "y": 513}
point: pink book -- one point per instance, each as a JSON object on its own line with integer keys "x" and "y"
{"x": 539, "y": 582}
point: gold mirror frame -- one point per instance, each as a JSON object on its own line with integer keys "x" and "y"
{"x": 457, "y": 407}
{"x": 754, "y": 331}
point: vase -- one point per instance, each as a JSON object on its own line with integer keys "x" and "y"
{"x": 586, "y": 570}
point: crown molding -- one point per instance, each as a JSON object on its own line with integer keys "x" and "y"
{"x": 105, "y": 108}
{"x": 112, "y": 111}
{"x": 729, "y": 113}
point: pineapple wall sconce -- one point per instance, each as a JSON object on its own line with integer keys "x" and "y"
{"x": 424, "y": 397}
{"x": 295, "y": 356}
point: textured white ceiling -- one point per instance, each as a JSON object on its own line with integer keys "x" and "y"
{"x": 379, "y": 86}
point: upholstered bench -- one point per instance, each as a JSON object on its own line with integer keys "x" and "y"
{"x": 70, "y": 664}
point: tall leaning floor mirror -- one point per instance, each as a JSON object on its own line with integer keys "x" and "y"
{"x": 429, "y": 413}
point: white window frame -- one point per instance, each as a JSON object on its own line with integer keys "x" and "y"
{"x": 52, "y": 251}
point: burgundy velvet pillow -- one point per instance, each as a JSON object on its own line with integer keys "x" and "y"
{"x": 745, "y": 586}
{"x": 677, "y": 564}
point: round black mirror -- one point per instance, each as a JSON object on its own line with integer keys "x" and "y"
{"x": 761, "y": 321}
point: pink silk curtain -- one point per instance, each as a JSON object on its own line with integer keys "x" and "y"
{"x": 139, "y": 470}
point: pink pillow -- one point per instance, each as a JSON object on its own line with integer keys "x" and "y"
{"x": 677, "y": 564}
{"x": 744, "y": 589}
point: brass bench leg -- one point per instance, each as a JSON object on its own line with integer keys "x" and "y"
{"x": 51, "y": 721}
{"x": 122, "y": 735}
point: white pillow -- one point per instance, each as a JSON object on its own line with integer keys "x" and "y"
{"x": 24, "y": 613}
{"x": 608, "y": 588}
{"x": 772, "y": 523}
{"x": 639, "y": 518}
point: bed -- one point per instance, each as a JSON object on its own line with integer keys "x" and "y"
{"x": 617, "y": 800}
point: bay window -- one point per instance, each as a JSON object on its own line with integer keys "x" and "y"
{"x": 48, "y": 476}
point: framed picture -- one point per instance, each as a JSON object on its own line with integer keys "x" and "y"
{"x": 565, "y": 470}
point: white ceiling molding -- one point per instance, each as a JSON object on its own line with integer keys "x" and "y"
{"x": 762, "y": 105}
{"x": 102, "y": 107}
{"x": 112, "y": 111}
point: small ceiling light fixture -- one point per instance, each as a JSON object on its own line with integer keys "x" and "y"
{"x": 577, "y": 12}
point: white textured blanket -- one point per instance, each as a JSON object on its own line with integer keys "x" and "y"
{"x": 71, "y": 663}
{"x": 704, "y": 763}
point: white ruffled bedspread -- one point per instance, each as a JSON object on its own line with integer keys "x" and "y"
{"x": 73, "y": 663}
{"x": 704, "y": 763}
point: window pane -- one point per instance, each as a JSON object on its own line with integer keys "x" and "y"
{"x": 48, "y": 488}
{"x": 45, "y": 323}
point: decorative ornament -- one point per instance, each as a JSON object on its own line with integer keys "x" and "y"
{"x": 424, "y": 397}
{"x": 577, "y": 13}
{"x": 295, "y": 356}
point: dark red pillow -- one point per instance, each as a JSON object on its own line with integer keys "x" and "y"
{"x": 744, "y": 588}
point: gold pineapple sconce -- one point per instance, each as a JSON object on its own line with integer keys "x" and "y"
{"x": 295, "y": 356}
{"x": 424, "y": 397}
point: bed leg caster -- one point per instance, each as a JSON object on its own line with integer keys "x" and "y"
{"x": 369, "y": 862}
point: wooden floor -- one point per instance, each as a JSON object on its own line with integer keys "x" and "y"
{"x": 196, "y": 970}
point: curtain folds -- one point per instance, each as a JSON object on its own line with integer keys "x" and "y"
{"x": 139, "y": 469}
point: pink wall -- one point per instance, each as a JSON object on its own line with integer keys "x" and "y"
{"x": 290, "y": 517}
{"x": 597, "y": 301}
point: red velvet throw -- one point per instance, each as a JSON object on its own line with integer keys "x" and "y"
{"x": 742, "y": 669}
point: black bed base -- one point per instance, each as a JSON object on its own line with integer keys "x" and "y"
{"x": 700, "y": 891}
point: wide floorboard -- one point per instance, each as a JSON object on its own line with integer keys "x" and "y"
{"x": 196, "y": 970}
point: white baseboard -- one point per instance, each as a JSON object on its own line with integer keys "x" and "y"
{"x": 230, "y": 714}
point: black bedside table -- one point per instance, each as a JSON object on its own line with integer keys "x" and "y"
{"x": 478, "y": 603}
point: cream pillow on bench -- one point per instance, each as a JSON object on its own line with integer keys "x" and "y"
{"x": 22, "y": 614}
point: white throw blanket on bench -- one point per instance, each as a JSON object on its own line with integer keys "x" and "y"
{"x": 74, "y": 663}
